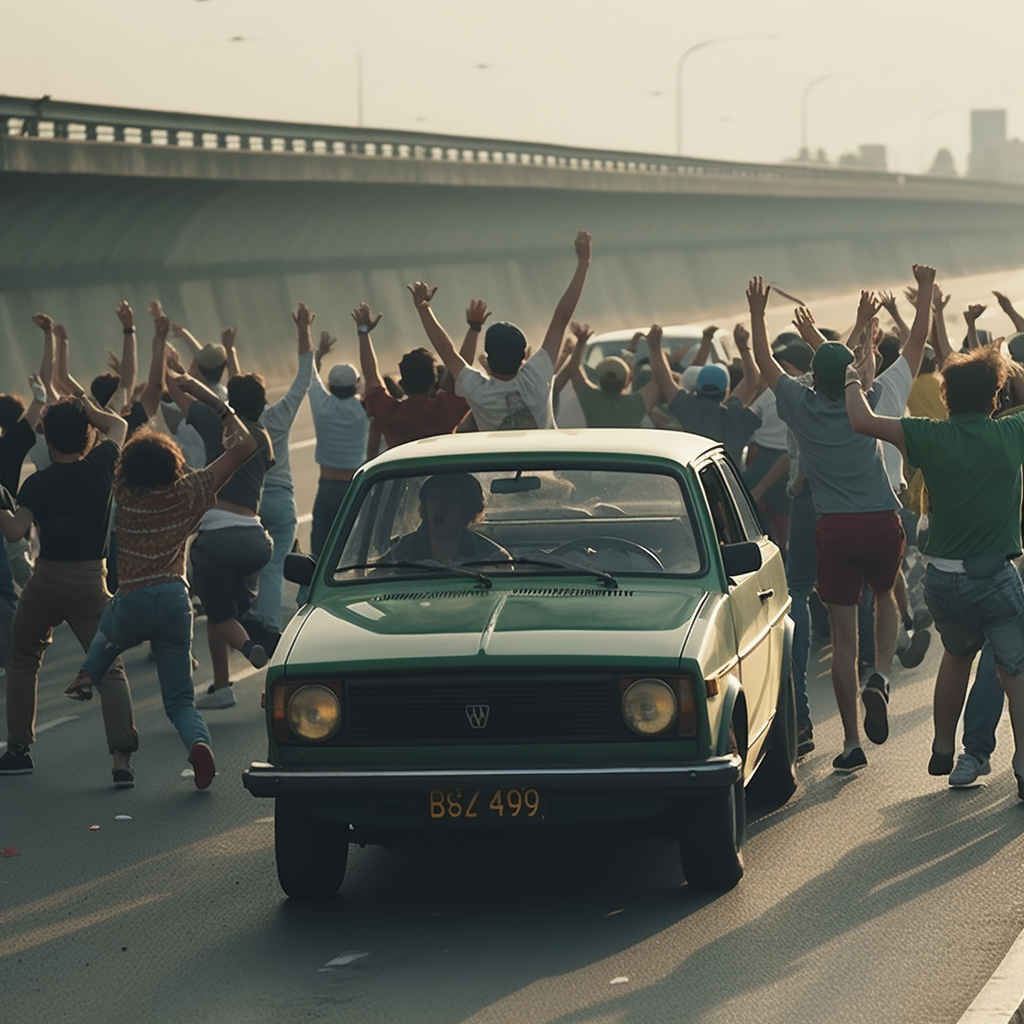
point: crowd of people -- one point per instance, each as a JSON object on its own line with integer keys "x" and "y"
{"x": 866, "y": 453}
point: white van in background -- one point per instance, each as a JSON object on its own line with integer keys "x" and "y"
{"x": 675, "y": 338}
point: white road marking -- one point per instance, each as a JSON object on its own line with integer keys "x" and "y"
{"x": 618, "y": 981}
{"x": 343, "y": 959}
{"x": 56, "y": 722}
{"x": 1001, "y": 1001}
{"x": 308, "y": 443}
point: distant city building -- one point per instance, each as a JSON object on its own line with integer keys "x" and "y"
{"x": 993, "y": 157}
{"x": 870, "y": 157}
{"x": 943, "y": 165}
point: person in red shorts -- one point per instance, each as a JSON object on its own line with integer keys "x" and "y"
{"x": 859, "y": 537}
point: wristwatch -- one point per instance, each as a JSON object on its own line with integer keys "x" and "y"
{"x": 363, "y": 328}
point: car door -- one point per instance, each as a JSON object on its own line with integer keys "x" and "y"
{"x": 758, "y": 600}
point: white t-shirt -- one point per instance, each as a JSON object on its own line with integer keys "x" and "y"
{"x": 895, "y": 382}
{"x": 772, "y": 432}
{"x": 522, "y": 403}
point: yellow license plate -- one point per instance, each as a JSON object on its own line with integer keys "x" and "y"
{"x": 485, "y": 805}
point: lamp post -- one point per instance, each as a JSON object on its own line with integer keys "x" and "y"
{"x": 804, "y": 152}
{"x": 679, "y": 78}
{"x": 924, "y": 135}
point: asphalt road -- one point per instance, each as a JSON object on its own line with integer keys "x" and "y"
{"x": 882, "y": 897}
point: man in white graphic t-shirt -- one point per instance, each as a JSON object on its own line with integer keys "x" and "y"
{"x": 515, "y": 395}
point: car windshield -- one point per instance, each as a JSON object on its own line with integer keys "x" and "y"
{"x": 604, "y": 522}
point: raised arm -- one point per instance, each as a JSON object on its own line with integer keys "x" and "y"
{"x": 326, "y": 343}
{"x": 701, "y": 358}
{"x": 918, "y": 336}
{"x": 1007, "y": 307}
{"x": 154, "y": 389}
{"x": 227, "y": 339}
{"x": 941, "y": 336}
{"x": 45, "y": 396}
{"x": 864, "y": 420}
{"x": 888, "y": 303}
{"x": 563, "y": 313}
{"x": 476, "y": 316}
{"x": 127, "y": 369}
{"x": 750, "y": 384}
{"x": 422, "y": 293}
{"x": 365, "y": 323}
{"x": 64, "y": 383}
{"x": 803, "y": 321}
{"x": 971, "y": 314}
{"x": 661, "y": 374}
{"x": 571, "y": 369}
{"x": 239, "y": 447}
{"x": 757, "y": 302}
{"x": 113, "y": 427}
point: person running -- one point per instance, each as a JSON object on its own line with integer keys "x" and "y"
{"x": 159, "y": 503}
{"x": 69, "y": 502}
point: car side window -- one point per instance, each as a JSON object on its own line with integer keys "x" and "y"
{"x": 748, "y": 515}
{"x": 723, "y": 513}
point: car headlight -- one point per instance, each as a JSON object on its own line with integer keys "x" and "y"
{"x": 314, "y": 713}
{"x": 649, "y": 707}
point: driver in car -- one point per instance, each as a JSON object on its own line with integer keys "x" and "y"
{"x": 449, "y": 503}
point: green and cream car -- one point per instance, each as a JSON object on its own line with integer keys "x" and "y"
{"x": 537, "y": 630}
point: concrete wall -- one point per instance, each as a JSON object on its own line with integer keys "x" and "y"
{"x": 239, "y": 239}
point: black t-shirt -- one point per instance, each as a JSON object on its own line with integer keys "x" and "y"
{"x": 137, "y": 417}
{"x": 15, "y": 444}
{"x": 70, "y": 502}
{"x": 246, "y": 485}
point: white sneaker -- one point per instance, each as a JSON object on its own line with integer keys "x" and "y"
{"x": 967, "y": 769}
{"x": 213, "y": 699}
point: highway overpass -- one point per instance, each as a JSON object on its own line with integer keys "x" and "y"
{"x": 233, "y": 222}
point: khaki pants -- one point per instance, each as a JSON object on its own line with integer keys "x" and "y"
{"x": 75, "y": 593}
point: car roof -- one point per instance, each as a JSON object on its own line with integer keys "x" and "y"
{"x": 673, "y": 445}
{"x": 671, "y": 331}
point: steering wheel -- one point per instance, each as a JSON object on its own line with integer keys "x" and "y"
{"x": 585, "y": 544}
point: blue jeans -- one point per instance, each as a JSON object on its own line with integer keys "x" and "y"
{"x": 984, "y": 707}
{"x": 801, "y": 567}
{"x": 163, "y": 615}
{"x": 277, "y": 512}
{"x": 329, "y": 496}
{"x": 968, "y": 612}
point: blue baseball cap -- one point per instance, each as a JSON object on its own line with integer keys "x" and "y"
{"x": 713, "y": 381}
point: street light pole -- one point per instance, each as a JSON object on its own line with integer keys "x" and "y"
{"x": 679, "y": 78}
{"x": 804, "y": 151}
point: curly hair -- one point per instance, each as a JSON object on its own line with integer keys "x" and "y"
{"x": 972, "y": 380}
{"x": 149, "y": 460}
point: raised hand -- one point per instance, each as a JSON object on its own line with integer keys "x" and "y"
{"x": 709, "y": 332}
{"x": 477, "y": 312}
{"x": 326, "y": 343}
{"x": 939, "y": 301}
{"x": 741, "y": 336}
{"x": 162, "y": 326}
{"x": 421, "y": 293}
{"x": 227, "y": 337}
{"x": 888, "y": 302}
{"x": 757, "y": 296}
{"x": 126, "y": 315}
{"x": 173, "y": 359}
{"x": 303, "y": 316}
{"x": 973, "y": 311}
{"x": 867, "y": 307}
{"x": 43, "y": 321}
{"x": 37, "y": 388}
{"x": 584, "y": 246}
{"x": 924, "y": 275}
{"x": 60, "y": 332}
{"x": 581, "y": 332}
{"x": 364, "y": 317}
{"x": 155, "y": 309}
{"x": 654, "y": 336}
{"x": 1004, "y": 303}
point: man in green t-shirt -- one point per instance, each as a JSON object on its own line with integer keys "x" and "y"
{"x": 609, "y": 403}
{"x": 972, "y": 468}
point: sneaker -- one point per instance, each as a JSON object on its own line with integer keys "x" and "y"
{"x": 201, "y": 757}
{"x": 940, "y": 764}
{"x": 214, "y": 699}
{"x": 124, "y": 778}
{"x": 804, "y": 739}
{"x": 923, "y": 619}
{"x": 16, "y": 761}
{"x": 913, "y": 654}
{"x": 850, "y": 762}
{"x": 256, "y": 654}
{"x": 875, "y": 696}
{"x": 968, "y": 768}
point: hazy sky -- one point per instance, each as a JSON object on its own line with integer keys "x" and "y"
{"x": 579, "y": 72}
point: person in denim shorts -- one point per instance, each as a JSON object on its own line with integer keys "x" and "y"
{"x": 972, "y": 588}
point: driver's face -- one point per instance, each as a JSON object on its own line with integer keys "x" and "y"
{"x": 445, "y": 514}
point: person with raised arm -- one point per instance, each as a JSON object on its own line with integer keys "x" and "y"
{"x": 972, "y": 466}
{"x": 516, "y": 394}
{"x": 232, "y": 547}
{"x": 69, "y": 502}
{"x": 427, "y": 409}
{"x": 859, "y": 536}
{"x": 159, "y": 503}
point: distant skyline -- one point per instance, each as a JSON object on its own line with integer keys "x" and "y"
{"x": 576, "y": 72}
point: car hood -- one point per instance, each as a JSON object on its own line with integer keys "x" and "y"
{"x": 577, "y": 624}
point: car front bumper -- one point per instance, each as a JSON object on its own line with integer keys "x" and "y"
{"x": 262, "y": 779}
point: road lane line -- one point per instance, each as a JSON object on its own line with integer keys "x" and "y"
{"x": 56, "y": 722}
{"x": 1001, "y": 1001}
{"x": 343, "y": 959}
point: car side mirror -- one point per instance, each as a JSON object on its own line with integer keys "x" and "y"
{"x": 739, "y": 559}
{"x": 299, "y": 568}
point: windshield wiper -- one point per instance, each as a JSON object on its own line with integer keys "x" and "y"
{"x": 429, "y": 566}
{"x": 574, "y": 568}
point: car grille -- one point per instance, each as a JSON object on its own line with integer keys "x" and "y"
{"x": 520, "y": 708}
